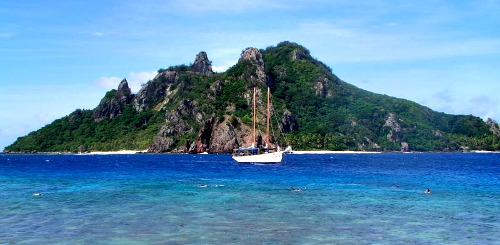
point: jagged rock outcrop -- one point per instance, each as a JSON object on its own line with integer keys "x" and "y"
{"x": 164, "y": 84}
{"x": 255, "y": 57}
{"x": 162, "y": 143}
{"x": 288, "y": 123}
{"x": 176, "y": 124}
{"x": 203, "y": 140}
{"x": 202, "y": 65}
{"x": 300, "y": 54}
{"x": 323, "y": 88}
{"x": 368, "y": 144}
{"x": 112, "y": 104}
{"x": 155, "y": 91}
{"x": 319, "y": 88}
{"x": 225, "y": 136}
{"x": 493, "y": 126}
{"x": 216, "y": 86}
{"x": 395, "y": 133}
{"x": 123, "y": 94}
{"x": 405, "y": 147}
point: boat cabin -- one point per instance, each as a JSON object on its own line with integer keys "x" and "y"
{"x": 250, "y": 151}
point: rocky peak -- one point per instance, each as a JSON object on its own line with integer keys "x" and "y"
{"x": 155, "y": 91}
{"x": 202, "y": 65}
{"x": 123, "y": 94}
{"x": 112, "y": 104}
{"x": 167, "y": 76}
{"x": 255, "y": 57}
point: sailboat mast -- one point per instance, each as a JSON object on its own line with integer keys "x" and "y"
{"x": 254, "y": 116}
{"x": 268, "y": 117}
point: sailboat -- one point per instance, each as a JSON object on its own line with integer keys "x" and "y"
{"x": 254, "y": 154}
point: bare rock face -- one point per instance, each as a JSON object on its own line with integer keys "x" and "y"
{"x": 493, "y": 126}
{"x": 154, "y": 91}
{"x": 202, "y": 65}
{"x": 288, "y": 123}
{"x": 299, "y": 54}
{"x": 161, "y": 144}
{"x": 216, "y": 86}
{"x": 368, "y": 144}
{"x": 123, "y": 94}
{"x": 322, "y": 88}
{"x": 395, "y": 134}
{"x": 203, "y": 141}
{"x": 224, "y": 137}
{"x": 319, "y": 87}
{"x": 176, "y": 124}
{"x": 405, "y": 147}
{"x": 255, "y": 57}
{"x": 112, "y": 104}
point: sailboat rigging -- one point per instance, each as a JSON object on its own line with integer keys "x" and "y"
{"x": 255, "y": 154}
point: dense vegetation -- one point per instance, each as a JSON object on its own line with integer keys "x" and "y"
{"x": 347, "y": 119}
{"x": 330, "y": 114}
{"x": 79, "y": 132}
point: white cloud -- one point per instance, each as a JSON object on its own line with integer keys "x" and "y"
{"x": 219, "y": 68}
{"x": 135, "y": 80}
{"x": 225, "y": 65}
{"x": 44, "y": 118}
{"x": 229, "y": 6}
{"x": 108, "y": 82}
{"x": 13, "y": 130}
{"x": 363, "y": 40}
{"x": 444, "y": 96}
{"x": 484, "y": 106}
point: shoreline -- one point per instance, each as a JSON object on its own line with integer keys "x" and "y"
{"x": 319, "y": 152}
{"x": 121, "y": 152}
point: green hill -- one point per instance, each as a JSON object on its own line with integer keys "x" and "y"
{"x": 192, "y": 109}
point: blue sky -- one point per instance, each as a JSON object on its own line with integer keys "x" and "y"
{"x": 57, "y": 56}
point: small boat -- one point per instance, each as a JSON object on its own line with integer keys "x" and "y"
{"x": 254, "y": 155}
{"x": 266, "y": 154}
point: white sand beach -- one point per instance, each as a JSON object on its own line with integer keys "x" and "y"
{"x": 121, "y": 152}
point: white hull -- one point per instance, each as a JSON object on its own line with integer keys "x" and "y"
{"x": 274, "y": 157}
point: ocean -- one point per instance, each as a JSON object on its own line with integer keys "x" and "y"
{"x": 210, "y": 199}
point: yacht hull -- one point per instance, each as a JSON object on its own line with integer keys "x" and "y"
{"x": 274, "y": 157}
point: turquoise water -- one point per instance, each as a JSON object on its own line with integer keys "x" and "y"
{"x": 209, "y": 199}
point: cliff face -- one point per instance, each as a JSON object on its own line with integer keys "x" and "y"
{"x": 213, "y": 134}
{"x": 112, "y": 104}
{"x": 493, "y": 126}
{"x": 202, "y": 65}
{"x": 192, "y": 109}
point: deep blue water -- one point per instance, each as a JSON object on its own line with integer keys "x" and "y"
{"x": 209, "y": 199}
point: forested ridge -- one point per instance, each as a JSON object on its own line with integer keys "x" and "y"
{"x": 189, "y": 108}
